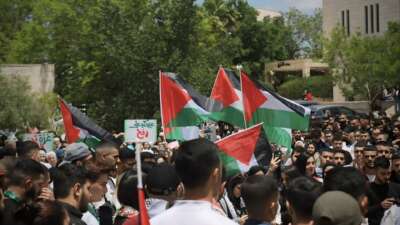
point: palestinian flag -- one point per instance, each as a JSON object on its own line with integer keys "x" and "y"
{"x": 182, "y": 133}
{"x": 228, "y": 95}
{"x": 80, "y": 128}
{"x": 263, "y": 105}
{"x": 242, "y": 150}
{"x": 181, "y": 105}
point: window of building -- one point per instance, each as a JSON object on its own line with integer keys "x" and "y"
{"x": 348, "y": 21}
{"x": 366, "y": 19}
{"x": 343, "y": 24}
{"x": 371, "y": 7}
{"x": 377, "y": 18}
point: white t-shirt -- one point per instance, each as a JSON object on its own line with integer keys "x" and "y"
{"x": 89, "y": 219}
{"x": 156, "y": 206}
{"x": 191, "y": 212}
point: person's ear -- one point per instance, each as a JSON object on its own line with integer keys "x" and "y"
{"x": 216, "y": 174}
{"x": 77, "y": 190}
{"x": 28, "y": 183}
{"x": 287, "y": 204}
{"x": 364, "y": 204}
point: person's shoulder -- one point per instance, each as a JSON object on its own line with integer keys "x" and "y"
{"x": 170, "y": 216}
{"x": 164, "y": 217}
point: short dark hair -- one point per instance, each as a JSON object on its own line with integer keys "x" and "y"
{"x": 301, "y": 163}
{"x": 26, "y": 148}
{"x": 291, "y": 173}
{"x": 256, "y": 191}
{"x": 66, "y": 177}
{"x": 338, "y": 137}
{"x": 326, "y": 150}
{"x": 396, "y": 156}
{"x": 301, "y": 193}
{"x": 370, "y": 148}
{"x": 346, "y": 179}
{"x": 360, "y": 144}
{"x": 382, "y": 162}
{"x": 44, "y": 212}
{"x": 127, "y": 193}
{"x": 24, "y": 168}
{"x": 255, "y": 169}
{"x": 299, "y": 149}
{"x": 126, "y": 153}
{"x": 195, "y": 161}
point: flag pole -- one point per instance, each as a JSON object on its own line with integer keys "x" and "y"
{"x": 143, "y": 215}
{"x": 161, "y": 107}
{"x": 239, "y": 67}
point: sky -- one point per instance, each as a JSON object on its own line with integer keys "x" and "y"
{"x": 307, "y": 6}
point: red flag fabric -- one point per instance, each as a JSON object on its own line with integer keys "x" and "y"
{"x": 253, "y": 98}
{"x": 241, "y": 145}
{"x": 223, "y": 90}
{"x": 173, "y": 99}
{"x": 144, "y": 216}
{"x": 71, "y": 132}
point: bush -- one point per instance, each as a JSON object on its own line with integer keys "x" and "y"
{"x": 20, "y": 108}
{"x": 320, "y": 86}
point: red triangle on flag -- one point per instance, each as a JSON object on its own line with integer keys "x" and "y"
{"x": 173, "y": 99}
{"x": 241, "y": 145}
{"x": 223, "y": 89}
{"x": 71, "y": 132}
{"x": 253, "y": 98}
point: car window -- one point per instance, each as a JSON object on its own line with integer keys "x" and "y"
{"x": 346, "y": 111}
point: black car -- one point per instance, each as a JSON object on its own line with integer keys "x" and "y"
{"x": 321, "y": 111}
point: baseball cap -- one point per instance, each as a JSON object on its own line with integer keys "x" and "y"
{"x": 75, "y": 151}
{"x": 162, "y": 179}
{"x": 337, "y": 207}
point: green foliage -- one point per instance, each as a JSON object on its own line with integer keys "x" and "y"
{"x": 363, "y": 66}
{"x": 320, "y": 86}
{"x": 19, "y": 108}
{"x": 108, "y": 52}
{"x": 306, "y": 32}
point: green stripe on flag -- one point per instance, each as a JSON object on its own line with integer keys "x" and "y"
{"x": 230, "y": 115}
{"x": 281, "y": 118}
{"x": 279, "y": 136}
{"x": 187, "y": 117}
{"x": 230, "y": 164}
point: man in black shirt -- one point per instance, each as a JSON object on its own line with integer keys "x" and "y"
{"x": 383, "y": 192}
{"x": 71, "y": 188}
{"x": 25, "y": 183}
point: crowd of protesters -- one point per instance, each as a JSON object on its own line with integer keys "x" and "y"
{"x": 343, "y": 171}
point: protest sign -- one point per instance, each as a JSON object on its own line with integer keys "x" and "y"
{"x": 44, "y": 140}
{"x": 141, "y": 131}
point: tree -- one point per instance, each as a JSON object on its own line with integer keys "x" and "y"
{"x": 108, "y": 52}
{"x": 307, "y": 32}
{"x": 363, "y": 66}
{"x": 20, "y": 108}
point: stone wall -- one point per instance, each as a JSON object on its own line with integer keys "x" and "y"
{"x": 41, "y": 77}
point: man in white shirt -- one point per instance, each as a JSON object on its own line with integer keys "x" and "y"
{"x": 199, "y": 168}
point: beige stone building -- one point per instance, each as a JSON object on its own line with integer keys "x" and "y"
{"x": 367, "y": 17}
{"x": 41, "y": 77}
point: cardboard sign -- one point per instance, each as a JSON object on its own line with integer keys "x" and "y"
{"x": 141, "y": 131}
{"x": 44, "y": 140}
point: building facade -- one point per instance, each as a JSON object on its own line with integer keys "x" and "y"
{"x": 40, "y": 77}
{"x": 366, "y": 17}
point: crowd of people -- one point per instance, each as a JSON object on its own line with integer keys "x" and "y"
{"x": 343, "y": 171}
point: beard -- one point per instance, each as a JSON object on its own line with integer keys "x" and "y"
{"x": 83, "y": 203}
{"x": 32, "y": 193}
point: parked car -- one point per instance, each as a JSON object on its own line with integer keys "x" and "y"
{"x": 321, "y": 111}
{"x": 306, "y": 103}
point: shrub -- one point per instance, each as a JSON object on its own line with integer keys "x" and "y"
{"x": 320, "y": 86}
